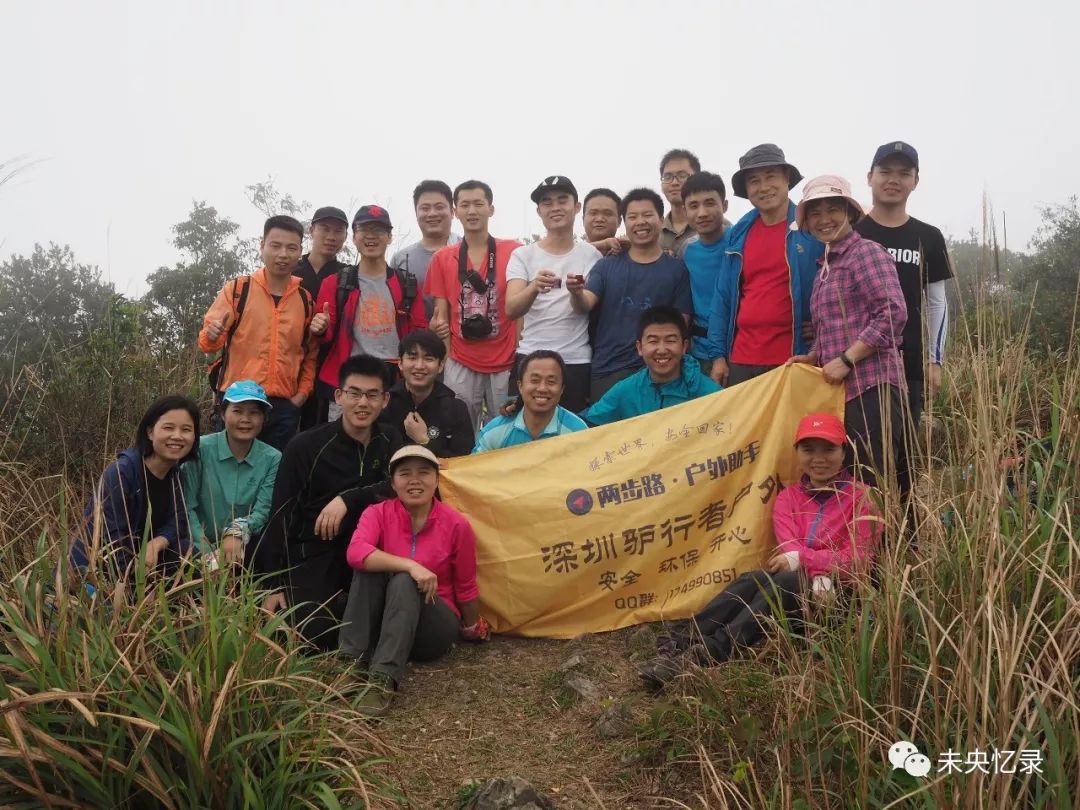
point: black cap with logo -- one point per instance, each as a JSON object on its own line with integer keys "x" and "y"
{"x": 372, "y": 214}
{"x": 557, "y": 182}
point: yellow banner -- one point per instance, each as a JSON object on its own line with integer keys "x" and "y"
{"x": 637, "y": 521}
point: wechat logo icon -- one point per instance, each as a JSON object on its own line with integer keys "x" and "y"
{"x": 905, "y": 755}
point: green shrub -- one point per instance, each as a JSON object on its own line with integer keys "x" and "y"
{"x": 183, "y": 695}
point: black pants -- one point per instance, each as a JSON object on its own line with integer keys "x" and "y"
{"x": 281, "y": 423}
{"x": 317, "y": 586}
{"x": 602, "y": 384}
{"x": 740, "y": 373}
{"x": 735, "y": 617}
{"x": 388, "y": 622}
{"x": 575, "y": 396}
{"x": 911, "y": 441}
{"x": 313, "y": 413}
{"x": 874, "y": 421}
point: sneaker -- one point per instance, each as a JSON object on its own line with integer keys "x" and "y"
{"x": 377, "y": 697}
{"x": 662, "y": 670}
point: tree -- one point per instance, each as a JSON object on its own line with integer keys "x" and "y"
{"x": 74, "y": 359}
{"x": 180, "y": 295}
{"x": 271, "y": 202}
{"x": 1052, "y": 277}
{"x": 48, "y": 300}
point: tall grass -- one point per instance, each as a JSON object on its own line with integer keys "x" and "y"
{"x": 183, "y": 694}
{"x": 971, "y": 642}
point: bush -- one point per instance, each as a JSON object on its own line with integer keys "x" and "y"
{"x": 183, "y": 695}
{"x": 971, "y": 642}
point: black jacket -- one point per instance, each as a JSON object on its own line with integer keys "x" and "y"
{"x": 309, "y": 279}
{"x": 450, "y": 433}
{"x": 319, "y": 465}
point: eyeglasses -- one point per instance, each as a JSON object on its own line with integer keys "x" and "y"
{"x": 355, "y": 395}
{"x": 669, "y": 177}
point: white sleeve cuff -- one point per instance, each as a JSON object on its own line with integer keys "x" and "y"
{"x": 822, "y": 584}
{"x": 792, "y": 560}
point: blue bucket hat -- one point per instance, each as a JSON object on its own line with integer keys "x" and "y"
{"x": 246, "y": 391}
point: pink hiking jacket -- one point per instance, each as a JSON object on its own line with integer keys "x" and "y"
{"x": 835, "y": 531}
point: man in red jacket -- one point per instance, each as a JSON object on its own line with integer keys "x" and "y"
{"x": 368, "y": 308}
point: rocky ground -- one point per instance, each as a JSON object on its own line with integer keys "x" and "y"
{"x": 558, "y": 715}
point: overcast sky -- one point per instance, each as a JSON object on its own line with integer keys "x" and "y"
{"x": 135, "y": 109}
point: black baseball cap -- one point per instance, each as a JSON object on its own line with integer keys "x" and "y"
{"x": 372, "y": 213}
{"x": 556, "y": 182}
{"x": 896, "y": 149}
{"x": 330, "y": 212}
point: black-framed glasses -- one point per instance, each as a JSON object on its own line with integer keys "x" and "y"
{"x": 355, "y": 394}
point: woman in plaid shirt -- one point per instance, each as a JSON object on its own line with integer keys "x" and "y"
{"x": 859, "y": 313}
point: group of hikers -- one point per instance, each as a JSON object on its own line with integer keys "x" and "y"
{"x": 339, "y": 388}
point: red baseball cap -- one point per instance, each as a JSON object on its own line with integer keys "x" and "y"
{"x": 821, "y": 426}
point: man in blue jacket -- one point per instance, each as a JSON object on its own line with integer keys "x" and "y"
{"x": 670, "y": 376}
{"x": 761, "y": 305}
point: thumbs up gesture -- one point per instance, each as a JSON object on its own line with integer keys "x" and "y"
{"x": 214, "y": 329}
{"x": 320, "y": 321}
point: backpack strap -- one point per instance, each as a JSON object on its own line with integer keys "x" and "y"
{"x": 309, "y": 304}
{"x": 347, "y": 281}
{"x": 409, "y": 290}
{"x": 240, "y": 287}
{"x": 239, "y": 302}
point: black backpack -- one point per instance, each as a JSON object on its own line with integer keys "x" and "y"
{"x": 348, "y": 281}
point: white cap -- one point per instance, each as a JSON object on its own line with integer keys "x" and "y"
{"x": 413, "y": 451}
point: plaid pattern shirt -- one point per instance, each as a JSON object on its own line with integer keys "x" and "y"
{"x": 857, "y": 296}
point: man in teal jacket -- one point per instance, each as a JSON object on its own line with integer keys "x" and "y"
{"x": 670, "y": 377}
{"x": 761, "y": 305}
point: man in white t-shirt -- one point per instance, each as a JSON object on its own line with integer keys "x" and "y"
{"x": 536, "y": 289}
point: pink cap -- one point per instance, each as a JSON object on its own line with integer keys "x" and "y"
{"x": 821, "y": 188}
{"x": 821, "y": 426}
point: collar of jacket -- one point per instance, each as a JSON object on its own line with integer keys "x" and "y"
{"x": 377, "y": 432}
{"x": 259, "y": 277}
{"x": 432, "y": 518}
{"x": 736, "y": 235}
{"x": 842, "y": 484}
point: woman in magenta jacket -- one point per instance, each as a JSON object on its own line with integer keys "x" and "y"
{"x": 414, "y": 588}
{"x": 826, "y": 530}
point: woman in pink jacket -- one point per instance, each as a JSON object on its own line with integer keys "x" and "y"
{"x": 414, "y": 588}
{"x": 826, "y": 529}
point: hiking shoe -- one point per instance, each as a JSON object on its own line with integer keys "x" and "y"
{"x": 701, "y": 656}
{"x": 360, "y": 667}
{"x": 662, "y": 670}
{"x": 377, "y": 697}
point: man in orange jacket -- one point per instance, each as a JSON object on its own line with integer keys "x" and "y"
{"x": 261, "y": 323}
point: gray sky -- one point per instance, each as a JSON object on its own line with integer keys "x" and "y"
{"x": 135, "y": 109}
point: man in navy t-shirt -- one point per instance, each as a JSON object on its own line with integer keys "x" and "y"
{"x": 623, "y": 286}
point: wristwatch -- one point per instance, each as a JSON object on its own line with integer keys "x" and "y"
{"x": 847, "y": 361}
